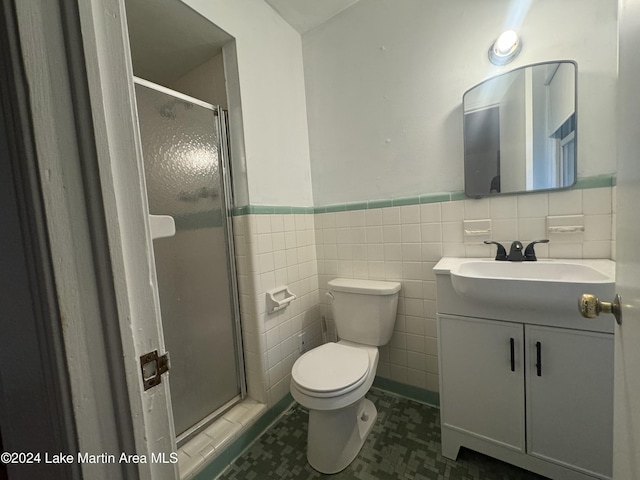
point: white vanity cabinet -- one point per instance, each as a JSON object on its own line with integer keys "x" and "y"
{"x": 570, "y": 397}
{"x": 487, "y": 395}
{"x": 528, "y": 387}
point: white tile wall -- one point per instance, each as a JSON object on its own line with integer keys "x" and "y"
{"x": 404, "y": 243}
{"x": 399, "y": 243}
{"x": 275, "y": 250}
{"x": 393, "y": 243}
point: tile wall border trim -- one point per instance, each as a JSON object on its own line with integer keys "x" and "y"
{"x": 597, "y": 181}
{"x": 229, "y": 455}
{"x": 407, "y": 391}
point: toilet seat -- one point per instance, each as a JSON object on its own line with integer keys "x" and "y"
{"x": 331, "y": 370}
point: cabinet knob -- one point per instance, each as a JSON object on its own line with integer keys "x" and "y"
{"x": 590, "y": 307}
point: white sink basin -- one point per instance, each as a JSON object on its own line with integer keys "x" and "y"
{"x": 542, "y": 271}
{"x": 541, "y": 285}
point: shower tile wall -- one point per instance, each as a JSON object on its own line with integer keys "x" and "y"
{"x": 275, "y": 250}
{"x": 404, "y": 243}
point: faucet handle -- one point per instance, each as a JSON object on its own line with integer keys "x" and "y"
{"x": 501, "y": 254}
{"x": 529, "y": 252}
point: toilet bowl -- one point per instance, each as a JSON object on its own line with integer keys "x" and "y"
{"x": 332, "y": 379}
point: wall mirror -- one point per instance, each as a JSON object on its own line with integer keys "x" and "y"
{"x": 520, "y": 131}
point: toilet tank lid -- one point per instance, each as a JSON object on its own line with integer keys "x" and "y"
{"x": 366, "y": 287}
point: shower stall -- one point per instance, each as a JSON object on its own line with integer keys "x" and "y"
{"x": 188, "y": 178}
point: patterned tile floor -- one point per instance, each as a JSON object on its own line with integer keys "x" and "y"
{"x": 404, "y": 444}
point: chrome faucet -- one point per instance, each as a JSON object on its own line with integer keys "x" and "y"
{"x": 515, "y": 252}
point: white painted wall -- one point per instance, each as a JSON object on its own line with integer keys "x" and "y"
{"x": 206, "y": 82}
{"x": 384, "y": 92}
{"x": 272, "y": 92}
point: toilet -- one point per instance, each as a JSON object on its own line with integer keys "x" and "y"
{"x": 332, "y": 379}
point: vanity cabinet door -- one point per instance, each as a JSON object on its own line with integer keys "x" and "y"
{"x": 570, "y": 398}
{"x": 482, "y": 379}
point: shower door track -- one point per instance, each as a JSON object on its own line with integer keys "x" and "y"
{"x": 185, "y": 436}
{"x": 173, "y": 93}
{"x": 228, "y": 197}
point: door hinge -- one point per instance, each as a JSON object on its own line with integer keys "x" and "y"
{"x": 152, "y": 367}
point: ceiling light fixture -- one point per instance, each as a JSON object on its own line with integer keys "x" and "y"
{"x": 506, "y": 48}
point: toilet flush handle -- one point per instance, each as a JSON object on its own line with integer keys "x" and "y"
{"x": 330, "y": 295}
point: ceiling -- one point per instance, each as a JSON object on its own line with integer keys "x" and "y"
{"x": 304, "y": 15}
{"x": 168, "y": 38}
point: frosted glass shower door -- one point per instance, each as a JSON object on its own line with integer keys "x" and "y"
{"x": 184, "y": 178}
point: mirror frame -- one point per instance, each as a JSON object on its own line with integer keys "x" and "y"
{"x": 575, "y": 112}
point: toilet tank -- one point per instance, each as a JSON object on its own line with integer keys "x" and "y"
{"x": 364, "y": 311}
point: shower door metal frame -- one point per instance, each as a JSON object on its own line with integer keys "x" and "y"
{"x": 233, "y": 278}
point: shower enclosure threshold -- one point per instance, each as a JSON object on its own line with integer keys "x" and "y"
{"x": 203, "y": 447}
{"x": 187, "y": 435}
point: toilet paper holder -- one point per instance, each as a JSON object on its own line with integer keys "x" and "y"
{"x": 279, "y": 298}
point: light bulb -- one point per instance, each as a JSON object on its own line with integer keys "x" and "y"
{"x": 505, "y": 48}
{"x": 506, "y": 42}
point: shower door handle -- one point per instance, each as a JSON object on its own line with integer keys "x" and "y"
{"x": 162, "y": 226}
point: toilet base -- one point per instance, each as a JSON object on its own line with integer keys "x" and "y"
{"x": 336, "y": 436}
